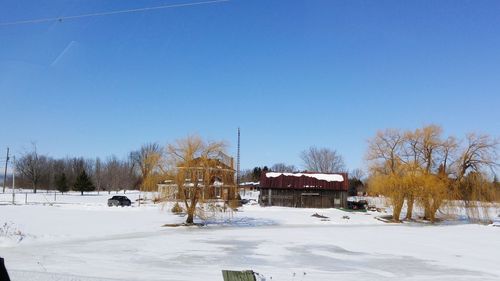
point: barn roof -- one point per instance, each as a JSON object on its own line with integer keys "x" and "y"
{"x": 325, "y": 177}
{"x": 338, "y": 181}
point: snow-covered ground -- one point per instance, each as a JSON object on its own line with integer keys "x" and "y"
{"x": 80, "y": 238}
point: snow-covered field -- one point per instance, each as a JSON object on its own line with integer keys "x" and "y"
{"x": 80, "y": 238}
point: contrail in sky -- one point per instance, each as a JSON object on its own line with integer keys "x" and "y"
{"x": 70, "y": 44}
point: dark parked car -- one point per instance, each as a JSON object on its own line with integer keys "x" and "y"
{"x": 357, "y": 205}
{"x": 248, "y": 201}
{"x": 119, "y": 201}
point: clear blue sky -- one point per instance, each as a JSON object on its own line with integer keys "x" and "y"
{"x": 291, "y": 74}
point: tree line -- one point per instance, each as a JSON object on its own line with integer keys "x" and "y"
{"x": 40, "y": 171}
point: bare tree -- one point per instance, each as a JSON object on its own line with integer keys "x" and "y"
{"x": 357, "y": 174}
{"x": 77, "y": 166}
{"x": 48, "y": 174}
{"x": 447, "y": 156}
{"x": 476, "y": 157}
{"x": 253, "y": 175}
{"x": 322, "y": 160}
{"x": 246, "y": 175}
{"x": 356, "y": 182}
{"x": 283, "y": 168}
{"x": 117, "y": 174}
{"x": 385, "y": 150}
{"x": 30, "y": 167}
{"x": 478, "y": 154}
{"x": 98, "y": 174}
{"x": 58, "y": 167}
{"x": 429, "y": 145}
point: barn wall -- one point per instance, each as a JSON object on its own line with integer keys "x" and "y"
{"x": 303, "y": 198}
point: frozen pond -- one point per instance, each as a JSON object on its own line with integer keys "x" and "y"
{"x": 93, "y": 242}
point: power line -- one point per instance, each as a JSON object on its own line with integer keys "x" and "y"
{"x": 98, "y": 14}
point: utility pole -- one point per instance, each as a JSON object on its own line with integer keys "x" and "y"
{"x": 14, "y": 180}
{"x": 5, "y": 171}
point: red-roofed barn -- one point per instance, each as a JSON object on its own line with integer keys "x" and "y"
{"x": 304, "y": 190}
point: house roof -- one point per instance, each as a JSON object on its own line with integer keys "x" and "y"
{"x": 213, "y": 163}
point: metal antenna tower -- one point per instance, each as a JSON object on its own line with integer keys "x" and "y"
{"x": 238, "y": 161}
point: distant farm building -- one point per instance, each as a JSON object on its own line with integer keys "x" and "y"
{"x": 304, "y": 190}
{"x": 248, "y": 186}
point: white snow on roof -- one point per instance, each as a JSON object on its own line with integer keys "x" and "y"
{"x": 250, "y": 183}
{"x": 325, "y": 177}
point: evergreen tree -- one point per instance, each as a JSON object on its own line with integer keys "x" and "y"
{"x": 354, "y": 183}
{"x": 257, "y": 171}
{"x": 62, "y": 183}
{"x": 83, "y": 183}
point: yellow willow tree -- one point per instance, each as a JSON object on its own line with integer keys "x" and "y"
{"x": 426, "y": 189}
{"x": 433, "y": 155}
{"x": 411, "y": 156}
{"x": 404, "y": 167}
{"x": 475, "y": 192}
{"x": 423, "y": 167}
{"x": 433, "y": 191}
{"x": 391, "y": 186}
{"x": 410, "y": 179}
{"x": 384, "y": 154}
{"x": 405, "y": 182}
{"x": 147, "y": 161}
{"x": 191, "y": 167}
